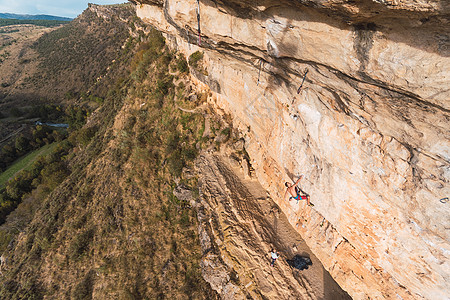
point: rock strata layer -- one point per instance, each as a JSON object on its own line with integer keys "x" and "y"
{"x": 368, "y": 127}
{"x": 238, "y": 226}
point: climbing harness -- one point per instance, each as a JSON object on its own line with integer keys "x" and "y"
{"x": 444, "y": 200}
{"x": 304, "y": 77}
{"x": 300, "y": 197}
{"x": 259, "y": 73}
{"x": 198, "y": 21}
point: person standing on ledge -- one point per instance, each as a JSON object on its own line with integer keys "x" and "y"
{"x": 294, "y": 191}
{"x": 273, "y": 255}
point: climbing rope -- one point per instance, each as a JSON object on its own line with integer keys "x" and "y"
{"x": 304, "y": 77}
{"x": 198, "y": 21}
{"x": 259, "y": 73}
{"x": 321, "y": 223}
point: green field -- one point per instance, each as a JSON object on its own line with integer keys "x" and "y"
{"x": 25, "y": 163}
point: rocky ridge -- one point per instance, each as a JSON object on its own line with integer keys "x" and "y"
{"x": 368, "y": 128}
{"x": 239, "y": 225}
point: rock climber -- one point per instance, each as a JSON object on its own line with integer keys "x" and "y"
{"x": 294, "y": 192}
{"x": 273, "y": 255}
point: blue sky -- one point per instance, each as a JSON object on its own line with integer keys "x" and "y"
{"x": 62, "y": 8}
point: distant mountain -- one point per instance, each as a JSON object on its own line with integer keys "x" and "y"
{"x": 32, "y": 17}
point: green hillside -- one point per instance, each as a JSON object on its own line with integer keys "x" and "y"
{"x": 101, "y": 220}
{"x": 70, "y": 60}
{"x": 24, "y": 163}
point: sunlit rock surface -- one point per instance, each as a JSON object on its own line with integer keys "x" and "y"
{"x": 368, "y": 128}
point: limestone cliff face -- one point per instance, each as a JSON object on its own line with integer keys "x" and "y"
{"x": 368, "y": 128}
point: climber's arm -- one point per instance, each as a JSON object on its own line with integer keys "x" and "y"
{"x": 298, "y": 181}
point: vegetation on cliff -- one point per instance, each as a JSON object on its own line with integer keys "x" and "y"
{"x": 113, "y": 228}
{"x": 59, "y": 77}
{"x": 61, "y": 52}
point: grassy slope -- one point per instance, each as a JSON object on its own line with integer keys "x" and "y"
{"x": 114, "y": 230}
{"x": 24, "y": 163}
{"x": 72, "y": 59}
{"x": 77, "y": 54}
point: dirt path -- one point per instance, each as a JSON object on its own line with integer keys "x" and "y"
{"x": 13, "y": 134}
{"x": 239, "y": 226}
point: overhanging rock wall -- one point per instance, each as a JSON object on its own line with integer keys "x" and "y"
{"x": 368, "y": 129}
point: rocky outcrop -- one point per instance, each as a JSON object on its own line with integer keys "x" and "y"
{"x": 239, "y": 225}
{"x": 108, "y": 12}
{"x": 368, "y": 128}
